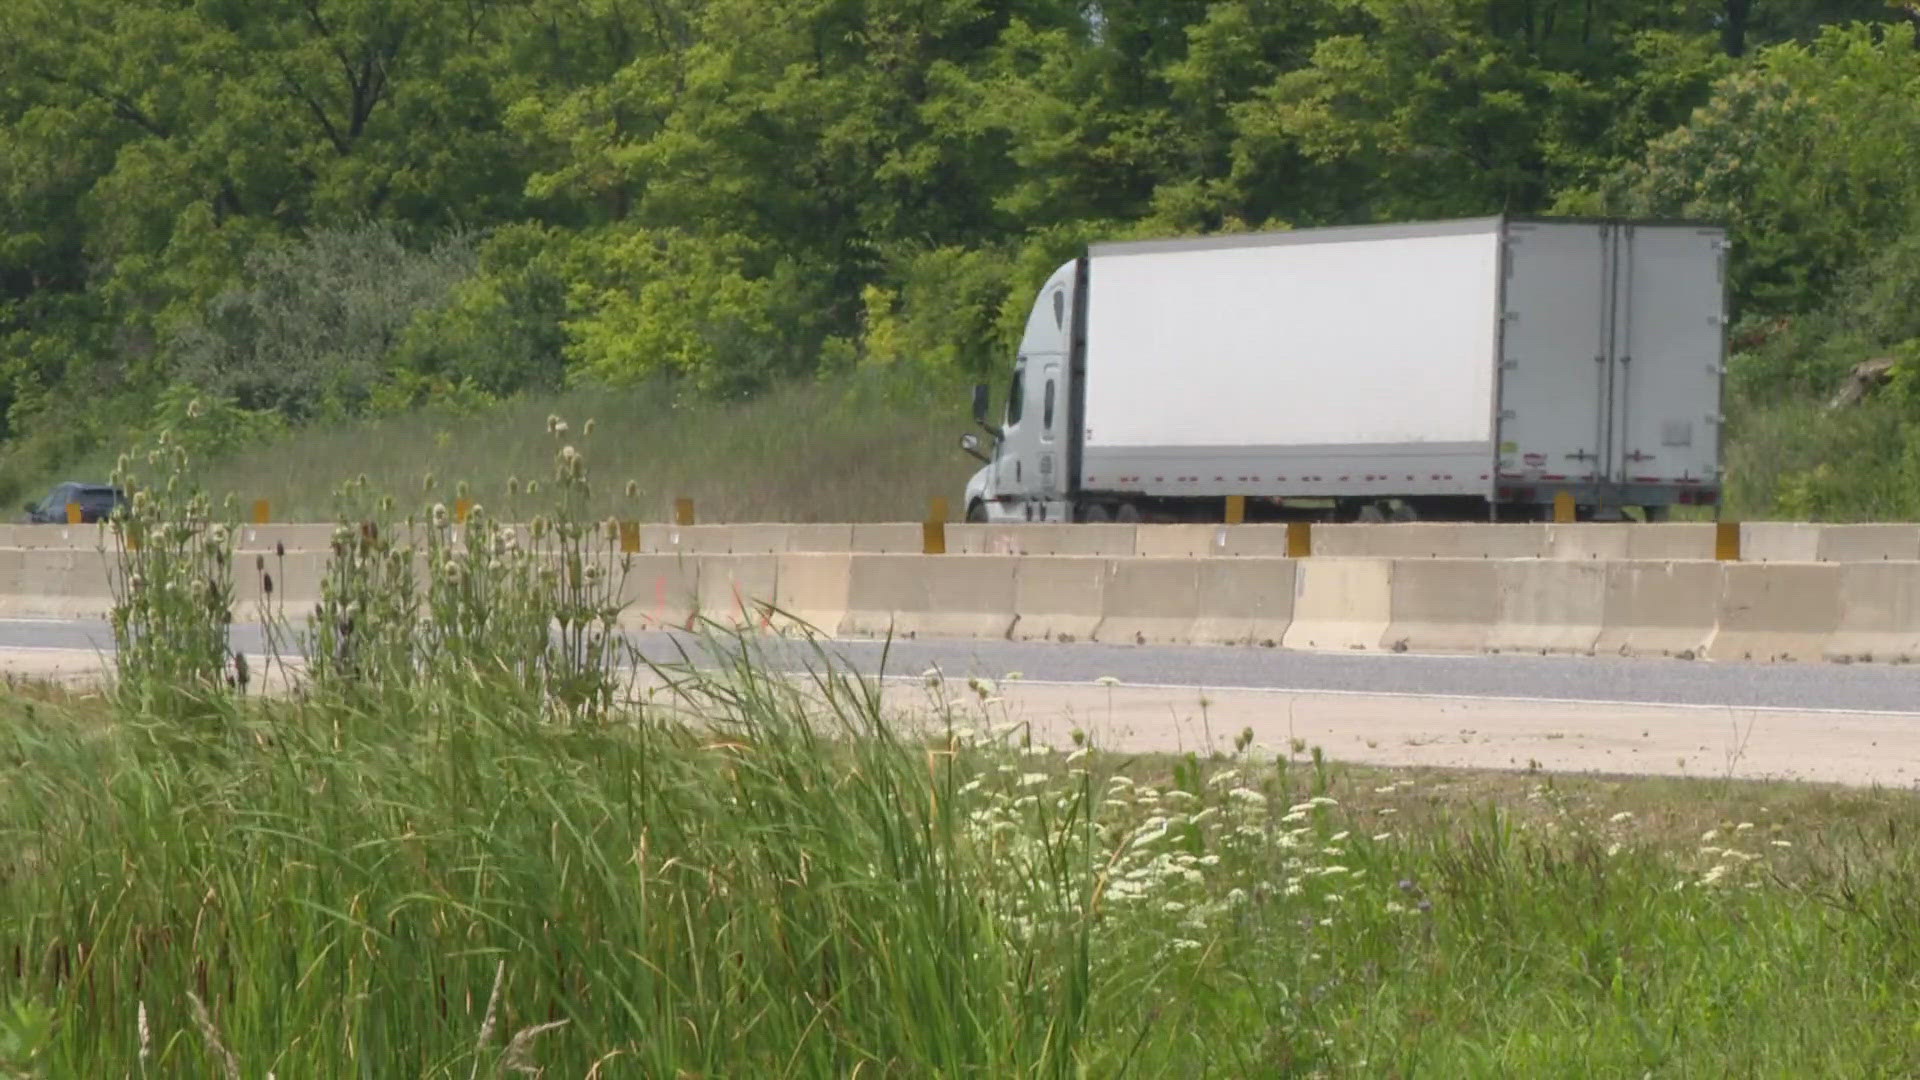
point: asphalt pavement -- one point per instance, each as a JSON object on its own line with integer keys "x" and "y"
{"x": 1803, "y": 687}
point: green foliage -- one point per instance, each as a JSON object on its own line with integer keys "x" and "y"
{"x": 311, "y": 332}
{"x": 665, "y": 301}
{"x": 26, "y": 1029}
{"x": 1808, "y": 154}
{"x": 339, "y": 208}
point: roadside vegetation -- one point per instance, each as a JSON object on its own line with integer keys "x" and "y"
{"x": 536, "y": 201}
{"x": 471, "y": 833}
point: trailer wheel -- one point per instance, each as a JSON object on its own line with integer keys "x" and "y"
{"x": 1095, "y": 514}
{"x": 1371, "y": 514}
{"x": 1127, "y": 514}
{"x": 977, "y": 512}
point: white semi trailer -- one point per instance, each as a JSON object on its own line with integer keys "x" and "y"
{"x": 1452, "y": 370}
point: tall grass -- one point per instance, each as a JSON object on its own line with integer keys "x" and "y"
{"x": 845, "y": 449}
{"x": 450, "y": 864}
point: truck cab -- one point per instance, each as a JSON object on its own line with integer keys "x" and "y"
{"x": 1026, "y": 474}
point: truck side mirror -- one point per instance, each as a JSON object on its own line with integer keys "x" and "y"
{"x": 971, "y": 444}
{"x": 980, "y": 403}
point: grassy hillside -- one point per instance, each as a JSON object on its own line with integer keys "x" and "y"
{"x": 835, "y": 452}
{"x": 815, "y": 452}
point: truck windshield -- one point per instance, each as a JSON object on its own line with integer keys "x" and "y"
{"x": 1015, "y": 398}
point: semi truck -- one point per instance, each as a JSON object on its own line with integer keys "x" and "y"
{"x": 1482, "y": 369}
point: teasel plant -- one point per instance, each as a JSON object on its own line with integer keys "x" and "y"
{"x": 169, "y": 553}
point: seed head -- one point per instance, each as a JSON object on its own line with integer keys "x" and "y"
{"x": 587, "y": 428}
{"x": 439, "y": 515}
{"x": 426, "y": 482}
{"x": 553, "y": 423}
{"x": 633, "y": 489}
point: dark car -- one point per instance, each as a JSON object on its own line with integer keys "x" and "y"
{"x": 97, "y": 501}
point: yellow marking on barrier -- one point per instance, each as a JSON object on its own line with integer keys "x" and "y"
{"x": 1236, "y": 509}
{"x": 683, "y": 511}
{"x": 73, "y": 513}
{"x": 1563, "y": 507}
{"x": 629, "y": 537}
{"x": 1299, "y": 539}
{"x": 1726, "y": 541}
{"x": 261, "y": 512}
{"x": 933, "y": 537}
{"x": 462, "y": 508}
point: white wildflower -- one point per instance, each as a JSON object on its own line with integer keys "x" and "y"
{"x": 1379, "y": 837}
{"x": 1743, "y": 826}
{"x": 1247, "y": 796}
{"x": 1710, "y": 836}
{"x": 1781, "y": 843}
{"x": 1621, "y": 817}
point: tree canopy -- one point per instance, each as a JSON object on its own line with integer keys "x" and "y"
{"x": 325, "y": 207}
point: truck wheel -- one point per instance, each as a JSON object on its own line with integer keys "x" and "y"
{"x": 1095, "y": 514}
{"x": 1128, "y": 514}
{"x": 1371, "y": 514}
{"x": 977, "y": 512}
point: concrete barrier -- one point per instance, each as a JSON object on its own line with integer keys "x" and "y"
{"x": 56, "y": 583}
{"x": 1776, "y": 612}
{"x": 1058, "y": 598}
{"x": 1244, "y": 602}
{"x": 1340, "y": 604}
{"x": 1619, "y": 541}
{"x": 732, "y": 590}
{"x": 1253, "y": 541}
{"x": 960, "y": 596}
{"x": 1179, "y": 541}
{"x": 1879, "y": 613}
{"x": 1431, "y": 540}
{"x": 661, "y": 591}
{"x": 294, "y": 538}
{"x": 1548, "y": 606}
{"x": 810, "y": 592}
{"x": 1869, "y": 543}
{"x": 1660, "y": 608}
{"x": 886, "y": 539}
{"x": 1779, "y": 541}
{"x": 1441, "y": 605}
{"x": 832, "y": 539}
{"x": 1113, "y": 541}
{"x": 1150, "y": 601}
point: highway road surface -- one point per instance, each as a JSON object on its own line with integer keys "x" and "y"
{"x": 1849, "y": 723}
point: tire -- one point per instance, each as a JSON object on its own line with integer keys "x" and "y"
{"x": 1128, "y": 514}
{"x": 976, "y": 513}
{"x": 1095, "y": 514}
{"x": 1371, "y": 514}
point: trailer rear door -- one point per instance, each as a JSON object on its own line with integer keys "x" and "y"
{"x": 1553, "y": 349}
{"x": 1669, "y": 304}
